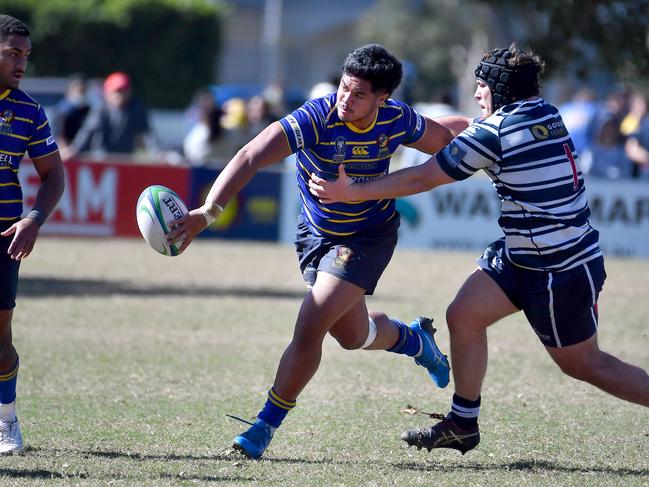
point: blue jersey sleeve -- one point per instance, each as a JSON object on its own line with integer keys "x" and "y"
{"x": 477, "y": 147}
{"x": 42, "y": 141}
{"x": 303, "y": 126}
{"x": 415, "y": 125}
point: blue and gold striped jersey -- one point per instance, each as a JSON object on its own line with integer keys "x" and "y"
{"x": 23, "y": 129}
{"x": 321, "y": 141}
{"x": 527, "y": 152}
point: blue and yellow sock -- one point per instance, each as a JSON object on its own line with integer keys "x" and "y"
{"x": 408, "y": 343}
{"x": 275, "y": 409}
{"x": 8, "y": 392}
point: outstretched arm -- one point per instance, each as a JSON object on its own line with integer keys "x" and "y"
{"x": 404, "y": 182}
{"x": 439, "y": 133}
{"x": 267, "y": 148}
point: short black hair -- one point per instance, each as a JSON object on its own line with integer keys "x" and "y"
{"x": 12, "y": 26}
{"x": 375, "y": 64}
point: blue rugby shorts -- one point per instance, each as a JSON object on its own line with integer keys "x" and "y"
{"x": 359, "y": 259}
{"x": 561, "y": 306}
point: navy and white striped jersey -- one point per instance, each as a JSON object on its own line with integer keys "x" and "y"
{"x": 23, "y": 129}
{"x": 527, "y": 152}
{"x": 321, "y": 141}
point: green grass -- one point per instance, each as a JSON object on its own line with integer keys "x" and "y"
{"x": 130, "y": 361}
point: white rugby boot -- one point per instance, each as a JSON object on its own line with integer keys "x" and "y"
{"x": 11, "y": 439}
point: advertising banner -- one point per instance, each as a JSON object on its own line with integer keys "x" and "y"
{"x": 464, "y": 215}
{"x": 100, "y": 198}
{"x": 253, "y": 214}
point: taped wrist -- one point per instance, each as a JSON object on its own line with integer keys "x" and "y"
{"x": 210, "y": 211}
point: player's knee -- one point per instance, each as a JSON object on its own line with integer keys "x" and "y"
{"x": 348, "y": 341}
{"x": 583, "y": 366}
{"x": 454, "y": 317}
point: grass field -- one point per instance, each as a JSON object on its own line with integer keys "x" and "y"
{"x": 130, "y": 361}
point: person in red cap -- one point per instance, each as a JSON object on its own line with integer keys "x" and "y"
{"x": 119, "y": 126}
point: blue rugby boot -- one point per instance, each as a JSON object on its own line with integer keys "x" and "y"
{"x": 431, "y": 357}
{"x": 253, "y": 442}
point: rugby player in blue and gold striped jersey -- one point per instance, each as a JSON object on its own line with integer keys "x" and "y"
{"x": 343, "y": 248}
{"x": 24, "y": 129}
{"x": 548, "y": 263}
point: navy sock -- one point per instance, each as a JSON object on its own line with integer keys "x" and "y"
{"x": 465, "y": 412}
{"x": 8, "y": 385}
{"x": 408, "y": 343}
{"x": 275, "y": 409}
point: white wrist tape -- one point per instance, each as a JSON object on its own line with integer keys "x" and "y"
{"x": 210, "y": 211}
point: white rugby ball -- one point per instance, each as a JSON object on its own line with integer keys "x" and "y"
{"x": 157, "y": 207}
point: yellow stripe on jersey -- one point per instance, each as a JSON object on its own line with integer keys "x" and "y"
{"x": 19, "y": 102}
{"x": 17, "y": 154}
{"x": 384, "y": 122}
{"x": 315, "y": 128}
{"x": 11, "y": 201}
{"x": 44, "y": 155}
{"x": 10, "y": 184}
{"x": 16, "y": 136}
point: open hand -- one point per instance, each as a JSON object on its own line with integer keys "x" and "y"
{"x": 332, "y": 191}
{"x": 25, "y": 232}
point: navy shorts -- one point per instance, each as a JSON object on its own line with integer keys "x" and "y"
{"x": 359, "y": 259}
{"x": 560, "y": 306}
{"x": 8, "y": 272}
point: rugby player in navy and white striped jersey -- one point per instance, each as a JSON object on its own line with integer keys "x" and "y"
{"x": 343, "y": 248}
{"x": 23, "y": 129}
{"x": 548, "y": 263}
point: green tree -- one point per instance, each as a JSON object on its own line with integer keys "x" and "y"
{"x": 445, "y": 38}
{"x": 169, "y": 47}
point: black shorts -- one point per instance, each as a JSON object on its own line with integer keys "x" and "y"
{"x": 8, "y": 272}
{"x": 359, "y": 259}
{"x": 560, "y": 306}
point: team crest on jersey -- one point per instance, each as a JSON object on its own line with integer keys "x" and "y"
{"x": 343, "y": 255}
{"x": 382, "y": 142}
{"x": 340, "y": 146}
{"x": 5, "y": 121}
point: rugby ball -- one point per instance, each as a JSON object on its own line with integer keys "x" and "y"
{"x": 157, "y": 207}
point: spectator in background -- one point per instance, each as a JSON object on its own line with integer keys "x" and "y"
{"x": 637, "y": 143}
{"x": 120, "y": 125}
{"x": 200, "y": 145}
{"x": 258, "y": 115}
{"x": 234, "y": 123}
{"x": 608, "y": 156}
{"x": 321, "y": 89}
{"x": 577, "y": 115}
{"x": 71, "y": 111}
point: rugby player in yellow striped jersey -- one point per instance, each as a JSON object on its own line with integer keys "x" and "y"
{"x": 24, "y": 129}
{"x": 342, "y": 248}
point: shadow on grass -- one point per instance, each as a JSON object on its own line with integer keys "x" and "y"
{"x": 529, "y": 466}
{"x": 115, "y": 474}
{"x": 51, "y": 474}
{"x": 39, "y": 287}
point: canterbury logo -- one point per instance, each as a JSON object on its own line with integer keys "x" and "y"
{"x": 360, "y": 150}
